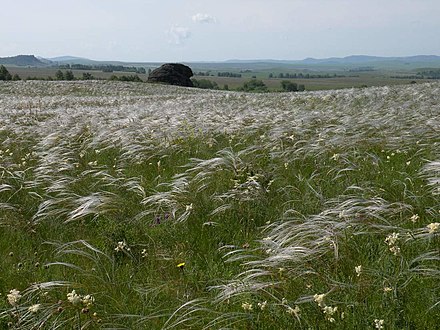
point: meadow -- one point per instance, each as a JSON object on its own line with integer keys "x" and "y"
{"x": 345, "y": 79}
{"x": 134, "y": 206}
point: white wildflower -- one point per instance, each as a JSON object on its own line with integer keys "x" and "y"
{"x": 34, "y": 308}
{"x": 358, "y": 270}
{"x": 392, "y": 239}
{"x": 319, "y": 299}
{"x": 433, "y": 227}
{"x": 415, "y": 218}
{"x": 395, "y": 250}
{"x": 335, "y": 157}
{"x": 378, "y": 324}
{"x": 88, "y": 300}
{"x": 13, "y": 297}
{"x": 262, "y": 305}
{"x": 122, "y": 246}
{"x": 329, "y": 311}
{"x": 73, "y": 298}
{"x": 246, "y": 306}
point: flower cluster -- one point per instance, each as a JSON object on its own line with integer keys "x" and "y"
{"x": 13, "y": 297}
{"x": 392, "y": 240}
{"x": 122, "y": 247}
{"x": 247, "y": 306}
{"x": 262, "y": 305}
{"x": 433, "y": 227}
{"x": 327, "y": 310}
{"x": 319, "y": 299}
{"x": 76, "y": 299}
{"x": 415, "y": 218}
{"x": 378, "y": 324}
{"x": 34, "y": 308}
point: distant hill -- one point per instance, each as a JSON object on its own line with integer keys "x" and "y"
{"x": 362, "y": 59}
{"x": 22, "y": 60}
{"x": 332, "y": 64}
{"x": 352, "y": 59}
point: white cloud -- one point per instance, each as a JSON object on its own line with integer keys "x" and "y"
{"x": 178, "y": 34}
{"x": 203, "y": 18}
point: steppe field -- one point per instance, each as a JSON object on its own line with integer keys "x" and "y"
{"x": 140, "y": 206}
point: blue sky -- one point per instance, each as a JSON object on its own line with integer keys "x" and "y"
{"x": 205, "y": 30}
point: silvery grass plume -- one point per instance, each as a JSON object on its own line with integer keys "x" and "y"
{"x": 63, "y": 304}
{"x": 229, "y": 177}
{"x": 198, "y": 313}
{"x": 431, "y": 172}
{"x": 175, "y": 200}
{"x": 38, "y": 307}
{"x": 291, "y": 245}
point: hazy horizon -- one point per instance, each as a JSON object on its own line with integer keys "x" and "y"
{"x": 195, "y": 30}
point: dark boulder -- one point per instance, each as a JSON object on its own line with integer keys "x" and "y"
{"x": 172, "y": 74}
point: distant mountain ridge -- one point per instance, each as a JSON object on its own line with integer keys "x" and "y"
{"x": 22, "y": 60}
{"x": 348, "y": 62}
{"x": 352, "y": 59}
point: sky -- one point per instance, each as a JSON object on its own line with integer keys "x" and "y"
{"x": 217, "y": 30}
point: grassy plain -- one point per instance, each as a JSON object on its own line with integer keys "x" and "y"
{"x": 347, "y": 80}
{"x": 133, "y": 206}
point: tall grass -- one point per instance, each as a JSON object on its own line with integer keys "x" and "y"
{"x": 126, "y": 206}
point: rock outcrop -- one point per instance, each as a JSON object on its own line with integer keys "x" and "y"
{"x": 172, "y": 74}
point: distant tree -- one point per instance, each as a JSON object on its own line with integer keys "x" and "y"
{"x": 204, "y": 83}
{"x": 69, "y": 75}
{"x": 270, "y": 75}
{"x": 87, "y": 76}
{"x": 16, "y": 77}
{"x": 289, "y": 86}
{"x": 255, "y": 85}
{"x": 4, "y": 73}
{"x": 59, "y": 75}
{"x": 301, "y": 88}
{"x": 226, "y": 87}
{"x": 133, "y": 78}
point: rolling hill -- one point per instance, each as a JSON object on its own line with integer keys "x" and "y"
{"x": 22, "y": 60}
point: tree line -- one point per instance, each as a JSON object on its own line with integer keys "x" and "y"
{"x": 104, "y": 68}
{"x": 253, "y": 85}
{"x": 219, "y": 74}
{"x": 300, "y": 75}
{"x": 5, "y": 75}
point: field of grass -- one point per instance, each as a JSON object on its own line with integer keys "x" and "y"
{"x": 44, "y": 73}
{"x": 315, "y": 84}
{"x": 134, "y": 206}
{"x": 349, "y": 79}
